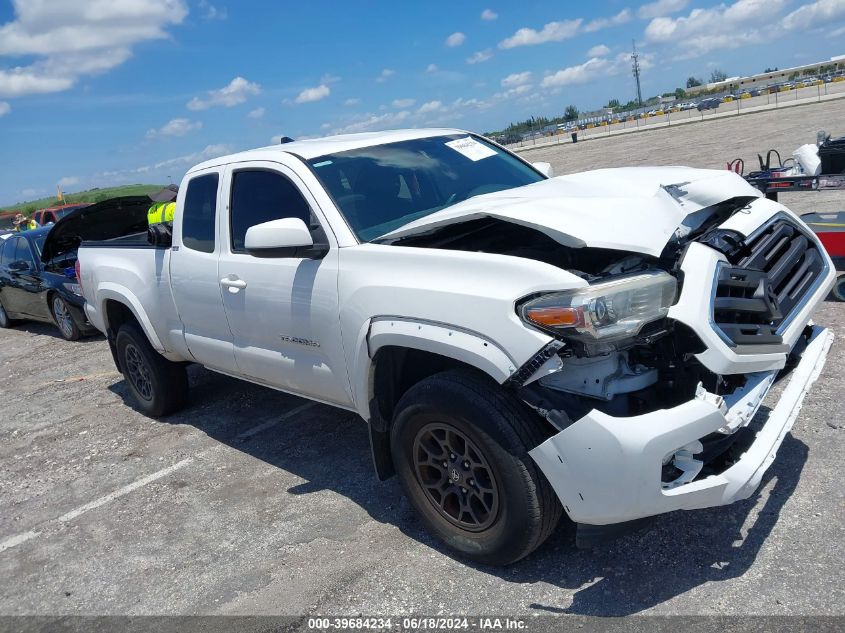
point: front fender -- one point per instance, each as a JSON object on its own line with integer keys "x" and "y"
{"x": 439, "y": 338}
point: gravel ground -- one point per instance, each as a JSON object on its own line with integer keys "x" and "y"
{"x": 255, "y": 502}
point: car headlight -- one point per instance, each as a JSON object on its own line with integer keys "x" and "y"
{"x": 74, "y": 288}
{"x": 605, "y": 311}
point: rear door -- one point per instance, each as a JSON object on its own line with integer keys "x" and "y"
{"x": 284, "y": 311}
{"x": 194, "y": 278}
{"x": 25, "y": 288}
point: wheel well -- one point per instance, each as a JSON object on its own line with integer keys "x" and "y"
{"x": 397, "y": 369}
{"x": 116, "y": 315}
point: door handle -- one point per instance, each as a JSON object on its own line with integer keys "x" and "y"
{"x": 233, "y": 283}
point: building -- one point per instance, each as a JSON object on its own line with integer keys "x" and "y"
{"x": 764, "y": 79}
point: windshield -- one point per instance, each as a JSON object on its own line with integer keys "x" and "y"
{"x": 383, "y": 187}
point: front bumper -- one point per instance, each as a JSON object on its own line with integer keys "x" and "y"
{"x": 608, "y": 470}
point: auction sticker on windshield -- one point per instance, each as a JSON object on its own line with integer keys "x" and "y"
{"x": 471, "y": 148}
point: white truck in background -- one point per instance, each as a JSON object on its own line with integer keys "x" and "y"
{"x": 520, "y": 345}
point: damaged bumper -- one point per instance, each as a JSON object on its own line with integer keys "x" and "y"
{"x": 608, "y": 470}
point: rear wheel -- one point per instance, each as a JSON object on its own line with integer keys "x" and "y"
{"x": 460, "y": 448}
{"x": 64, "y": 320}
{"x": 158, "y": 386}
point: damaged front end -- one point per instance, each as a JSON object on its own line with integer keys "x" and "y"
{"x": 653, "y": 394}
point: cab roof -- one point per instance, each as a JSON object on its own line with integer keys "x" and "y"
{"x": 313, "y": 148}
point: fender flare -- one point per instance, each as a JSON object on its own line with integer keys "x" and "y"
{"x": 429, "y": 336}
{"x": 115, "y": 292}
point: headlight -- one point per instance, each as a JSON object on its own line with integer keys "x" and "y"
{"x": 605, "y": 311}
{"x": 74, "y": 288}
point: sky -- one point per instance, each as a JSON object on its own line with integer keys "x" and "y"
{"x": 108, "y": 92}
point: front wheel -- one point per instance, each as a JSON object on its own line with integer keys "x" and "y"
{"x": 64, "y": 320}
{"x": 157, "y": 385}
{"x": 460, "y": 449}
{"x": 839, "y": 289}
{"x": 5, "y": 321}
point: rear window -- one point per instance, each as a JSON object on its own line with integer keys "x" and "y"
{"x": 200, "y": 213}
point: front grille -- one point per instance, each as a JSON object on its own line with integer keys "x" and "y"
{"x": 757, "y": 294}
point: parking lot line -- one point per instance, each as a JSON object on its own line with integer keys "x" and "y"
{"x": 266, "y": 425}
{"x": 69, "y": 516}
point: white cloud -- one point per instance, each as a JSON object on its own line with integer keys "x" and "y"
{"x": 489, "y": 14}
{"x": 385, "y": 74}
{"x": 403, "y": 103}
{"x": 480, "y": 56}
{"x": 551, "y": 32}
{"x": 68, "y": 181}
{"x": 211, "y": 12}
{"x": 455, "y": 39}
{"x": 238, "y": 91}
{"x": 5, "y": 108}
{"x": 516, "y": 79}
{"x": 515, "y": 92}
{"x": 178, "y": 163}
{"x": 430, "y": 106}
{"x": 602, "y": 23}
{"x": 329, "y": 78}
{"x": 598, "y": 51}
{"x": 256, "y": 114}
{"x": 579, "y": 74}
{"x": 174, "y": 127}
{"x": 814, "y": 14}
{"x": 352, "y": 101}
{"x": 373, "y": 122}
{"x": 431, "y": 68}
{"x": 313, "y": 94}
{"x": 660, "y": 8}
{"x": 75, "y": 38}
{"x": 720, "y": 27}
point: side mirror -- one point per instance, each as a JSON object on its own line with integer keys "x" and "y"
{"x": 545, "y": 169}
{"x": 288, "y": 237}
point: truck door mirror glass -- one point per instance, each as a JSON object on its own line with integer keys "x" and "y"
{"x": 545, "y": 169}
{"x": 288, "y": 237}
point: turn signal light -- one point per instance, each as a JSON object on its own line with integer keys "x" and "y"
{"x": 554, "y": 316}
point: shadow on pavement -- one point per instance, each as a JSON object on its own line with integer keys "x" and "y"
{"x": 329, "y": 449}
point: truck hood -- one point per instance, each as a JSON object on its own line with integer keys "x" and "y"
{"x": 637, "y": 209}
{"x": 105, "y": 220}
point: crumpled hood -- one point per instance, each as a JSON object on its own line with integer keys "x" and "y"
{"x": 635, "y": 209}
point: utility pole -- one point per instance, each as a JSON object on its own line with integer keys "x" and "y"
{"x": 635, "y": 67}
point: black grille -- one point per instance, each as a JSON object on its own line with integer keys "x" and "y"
{"x": 773, "y": 273}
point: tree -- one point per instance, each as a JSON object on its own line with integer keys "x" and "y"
{"x": 771, "y": 70}
{"x": 793, "y": 76}
{"x": 613, "y": 103}
{"x": 717, "y": 76}
{"x": 571, "y": 113}
{"x": 680, "y": 93}
{"x": 692, "y": 82}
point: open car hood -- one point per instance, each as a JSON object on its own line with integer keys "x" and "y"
{"x": 105, "y": 220}
{"x": 637, "y": 209}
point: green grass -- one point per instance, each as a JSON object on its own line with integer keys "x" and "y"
{"x": 92, "y": 195}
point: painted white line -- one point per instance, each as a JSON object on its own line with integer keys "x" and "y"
{"x": 17, "y": 540}
{"x": 263, "y": 427}
{"x": 140, "y": 483}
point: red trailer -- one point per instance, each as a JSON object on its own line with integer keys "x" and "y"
{"x": 830, "y": 227}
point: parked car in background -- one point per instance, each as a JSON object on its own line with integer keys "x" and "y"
{"x": 7, "y": 221}
{"x": 710, "y": 103}
{"x": 52, "y": 215}
{"x": 38, "y": 279}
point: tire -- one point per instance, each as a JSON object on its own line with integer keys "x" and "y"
{"x": 158, "y": 386}
{"x": 5, "y": 321}
{"x": 64, "y": 319}
{"x": 839, "y": 289}
{"x": 465, "y": 419}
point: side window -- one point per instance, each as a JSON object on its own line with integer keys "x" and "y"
{"x": 7, "y": 252}
{"x": 259, "y": 196}
{"x": 198, "y": 216}
{"x": 23, "y": 252}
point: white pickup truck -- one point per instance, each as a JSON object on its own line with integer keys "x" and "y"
{"x": 597, "y": 344}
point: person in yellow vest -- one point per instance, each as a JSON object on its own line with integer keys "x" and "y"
{"x": 23, "y": 224}
{"x": 164, "y": 206}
